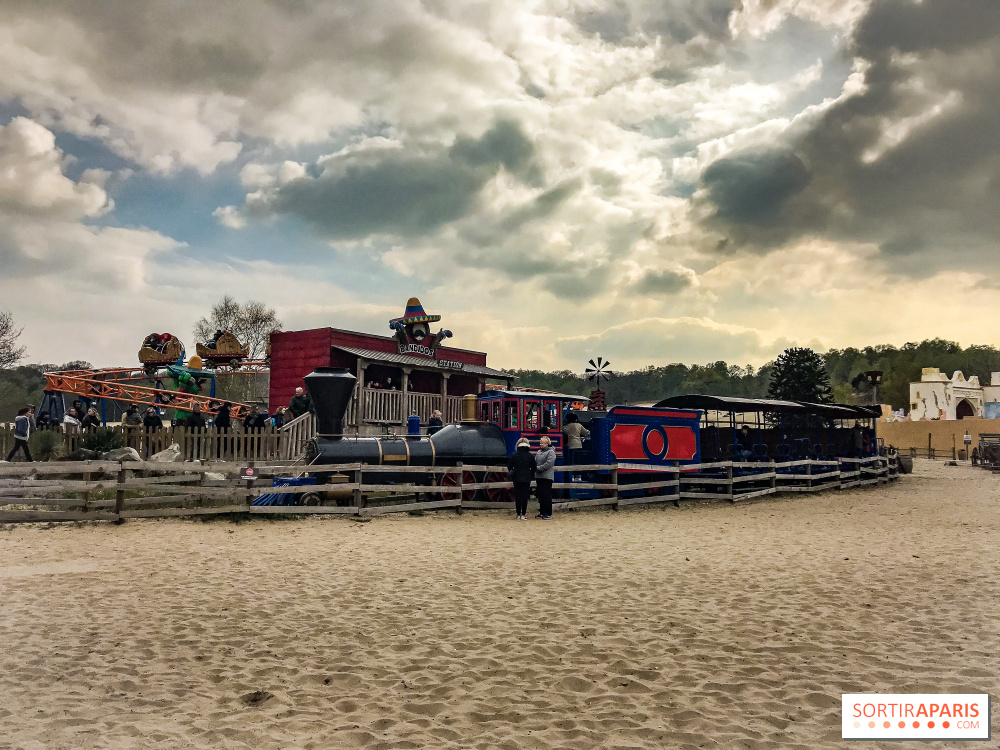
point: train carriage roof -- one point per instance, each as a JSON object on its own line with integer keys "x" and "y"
{"x": 539, "y": 395}
{"x": 742, "y": 405}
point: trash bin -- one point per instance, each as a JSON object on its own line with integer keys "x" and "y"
{"x": 413, "y": 425}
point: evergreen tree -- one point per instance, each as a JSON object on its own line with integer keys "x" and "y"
{"x": 800, "y": 375}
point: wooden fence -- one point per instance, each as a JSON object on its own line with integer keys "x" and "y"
{"x": 116, "y": 491}
{"x": 211, "y": 444}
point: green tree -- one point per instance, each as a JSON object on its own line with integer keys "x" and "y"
{"x": 800, "y": 375}
{"x": 251, "y": 323}
{"x": 10, "y": 352}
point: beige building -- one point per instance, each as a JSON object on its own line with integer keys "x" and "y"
{"x": 937, "y": 396}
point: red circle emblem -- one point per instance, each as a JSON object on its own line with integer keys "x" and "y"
{"x": 654, "y": 442}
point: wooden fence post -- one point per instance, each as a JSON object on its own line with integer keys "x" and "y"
{"x": 250, "y": 484}
{"x": 120, "y": 493}
{"x": 729, "y": 482}
{"x": 677, "y": 489}
{"x": 359, "y": 498}
{"x": 461, "y": 473}
{"x": 774, "y": 479}
{"x": 954, "y": 450}
{"x": 809, "y": 471}
{"x": 86, "y": 494}
{"x": 614, "y": 481}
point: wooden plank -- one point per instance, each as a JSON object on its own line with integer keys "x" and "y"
{"x": 583, "y": 486}
{"x": 316, "y": 510}
{"x": 173, "y": 512}
{"x": 61, "y": 467}
{"x": 404, "y": 489}
{"x": 29, "y": 516}
{"x": 144, "y": 481}
{"x": 68, "y": 501}
{"x": 705, "y": 496}
{"x": 482, "y": 505}
{"x": 413, "y": 469}
{"x": 176, "y": 499}
{"x": 755, "y": 477}
{"x": 592, "y": 503}
{"x": 374, "y": 510}
{"x": 649, "y": 485}
{"x": 755, "y": 493}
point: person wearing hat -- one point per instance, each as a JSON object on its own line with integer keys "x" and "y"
{"x": 521, "y": 466}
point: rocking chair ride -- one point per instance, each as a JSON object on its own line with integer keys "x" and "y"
{"x": 159, "y": 350}
{"x": 225, "y": 349}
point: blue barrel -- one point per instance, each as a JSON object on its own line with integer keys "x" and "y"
{"x": 413, "y": 425}
{"x": 283, "y": 498}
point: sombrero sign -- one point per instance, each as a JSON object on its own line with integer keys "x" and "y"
{"x": 413, "y": 332}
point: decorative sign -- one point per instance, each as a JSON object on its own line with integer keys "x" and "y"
{"x": 451, "y": 364}
{"x": 413, "y": 333}
{"x": 417, "y": 349}
{"x": 968, "y": 439}
{"x": 248, "y": 472}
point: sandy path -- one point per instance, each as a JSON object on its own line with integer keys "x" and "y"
{"x": 709, "y": 626}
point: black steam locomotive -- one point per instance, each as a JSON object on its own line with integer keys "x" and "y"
{"x": 330, "y": 389}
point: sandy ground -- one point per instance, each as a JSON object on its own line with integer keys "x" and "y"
{"x": 709, "y": 626}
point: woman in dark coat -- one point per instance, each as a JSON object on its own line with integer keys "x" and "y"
{"x": 521, "y": 466}
{"x": 152, "y": 421}
{"x": 223, "y": 420}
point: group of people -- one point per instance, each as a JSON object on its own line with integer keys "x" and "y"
{"x": 158, "y": 341}
{"x": 388, "y": 385}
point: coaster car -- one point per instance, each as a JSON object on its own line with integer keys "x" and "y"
{"x": 225, "y": 348}
{"x": 160, "y": 349}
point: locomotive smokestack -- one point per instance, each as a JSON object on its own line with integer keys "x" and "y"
{"x": 330, "y": 389}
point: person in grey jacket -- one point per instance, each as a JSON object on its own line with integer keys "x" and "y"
{"x": 22, "y": 431}
{"x": 574, "y": 432}
{"x": 545, "y": 463}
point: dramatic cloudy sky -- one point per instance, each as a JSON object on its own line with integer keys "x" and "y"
{"x": 680, "y": 180}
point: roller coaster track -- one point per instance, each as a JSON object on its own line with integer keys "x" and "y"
{"x": 116, "y": 383}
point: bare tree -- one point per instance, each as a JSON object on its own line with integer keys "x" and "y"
{"x": 10, "y": 352}
{"x": 251, "y": 323}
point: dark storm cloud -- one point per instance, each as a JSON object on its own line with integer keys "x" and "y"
{"x": 751, "y": 187}
{"x": 885, "y": 167}
{"x": 678, "y": 20}
{"x": 390, "y": 192}
{"x": 662, "y": 283}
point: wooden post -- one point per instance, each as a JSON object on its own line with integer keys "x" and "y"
{"x": 359, "y": 409}
{"x": 774, "y": 479}
{"x": 359, "y": 498}
{"x": 677, "y": 489}
{"x": 199, "y": 501}
{"x": 461, "y": 473}
{"x": 614, "y": 481}
{"x": 86, "y": 494}
{"x": 445, "y": 376}
{"x": 729, "y": 482}
{"x": 954, "y": 450}
{"x": 120, "y": 493}
{"x": 809, "y": 471}
{"x": 930, "y": 450}
{"x": 250, "y": 484}
{"x": 405, "y": 388}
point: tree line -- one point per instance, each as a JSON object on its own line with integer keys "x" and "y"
{"x": 900, "y": 366}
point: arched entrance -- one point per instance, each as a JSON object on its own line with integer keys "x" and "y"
{"x": 964, "y": 409}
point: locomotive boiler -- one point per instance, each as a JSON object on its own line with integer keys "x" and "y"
{"x": 331, "y": 388}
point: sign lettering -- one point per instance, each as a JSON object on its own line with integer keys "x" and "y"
{"x": 416, "y": 349}
{"x": 451, "y": 364}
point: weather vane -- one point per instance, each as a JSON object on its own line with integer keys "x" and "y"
{"x": 596, "y": 372}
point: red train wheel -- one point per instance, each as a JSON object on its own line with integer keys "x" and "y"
{"x": 499, "y": 494}
{"x": 451, "y": 480}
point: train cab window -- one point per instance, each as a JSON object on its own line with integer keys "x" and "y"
{"x": 532, "y": 415}
{"x": 496, "y": 411}
{"x": 550, "y": 417}
{"x": 510, "y": 421}
{"x": 484, "y": 411}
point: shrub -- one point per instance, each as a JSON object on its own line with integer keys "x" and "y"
{"x": 102, "y": 440}
{"x": 45, "y": 445}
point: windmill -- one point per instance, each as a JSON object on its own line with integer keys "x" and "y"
{"x": 596, "y": 372}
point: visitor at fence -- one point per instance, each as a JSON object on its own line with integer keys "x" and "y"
{"x": 521, "y": 467}
{"x": 434, "y": 423}
{"x": 223, "y": 419}
{"x": 92, "y": 419}
{"x": 300, "y": 403}
{"x": 545, "y": 464}
{"x": 196, "y": 420}
{"x": 253, "y": 421}
{"x": 132, "y": 416}
{"x": 574, "y": 433}
{"x": 857, "y": 441}
{"x": 278, "y": 418}
{"x": 22, "y": 431}
{"x": 71, "y": 425}
{"x": 80, "y": 411}
{"x": 745, "y": 443}
{"x": 44, "y": 420}
{"x": 152, "y": 421}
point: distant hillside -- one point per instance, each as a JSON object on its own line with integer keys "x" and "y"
{"x": 900, "y": 366}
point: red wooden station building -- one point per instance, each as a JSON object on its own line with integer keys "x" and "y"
{"x": 410, "y": 372}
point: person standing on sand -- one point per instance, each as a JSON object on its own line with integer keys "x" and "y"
{"x": 545, "y": 464}
{"x": 521, "y": 466}
{"x": 22, "y": 431}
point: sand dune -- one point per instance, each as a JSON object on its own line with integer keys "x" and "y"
{"x": 708, "y": 626}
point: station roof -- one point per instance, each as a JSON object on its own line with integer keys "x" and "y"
{"x": 741, "y": 405}
{"x": 537, "y": 394}
{"x": 423, "y": 363}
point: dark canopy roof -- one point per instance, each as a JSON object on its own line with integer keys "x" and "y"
{"x": 737, "y": 404}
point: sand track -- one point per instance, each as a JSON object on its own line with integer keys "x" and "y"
{"x": 707, "y": 626}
